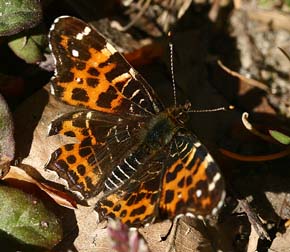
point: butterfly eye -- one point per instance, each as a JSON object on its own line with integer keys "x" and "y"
{"x": 187, "y": 105}
{"x": 182, "y": 117}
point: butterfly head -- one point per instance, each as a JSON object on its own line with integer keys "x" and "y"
{"x": 180, "y": 113}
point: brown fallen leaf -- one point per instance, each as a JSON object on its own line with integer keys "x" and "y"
{"x": 281, "y": 242}
{"x": 253, "y": 240}
{"x": 61, "y": 198}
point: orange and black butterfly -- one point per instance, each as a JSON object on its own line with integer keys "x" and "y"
{"x": 138, "y": 153}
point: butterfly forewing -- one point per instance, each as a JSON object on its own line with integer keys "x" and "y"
{"x": 92, "y": 74}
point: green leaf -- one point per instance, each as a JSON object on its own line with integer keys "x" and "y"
{"x": 29, "y": 47}
{"x": 7, "y": 144}
{"x": 10, "y": 244}
{"x": 287, "y": 2}
{"x": 280, "y": 137}
{"x": 25, "y": 218}
{"x": 17, "y": 15}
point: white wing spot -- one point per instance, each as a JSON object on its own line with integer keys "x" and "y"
{"x": 137, "y": 161}
{"x": 78, "y": 80}
{"x": 120, "y": 169}
{"x": 198, "y": 193}
{"x": 52, "y": 91}
{"x": 220, "y": 204}
{"x": 132, "y": 72}
{"x": 116, "y": 133}
{"x": 120, "y": 180}
{"x": 197, "y": 144}
{"x": 208, "y": 158}
{"x": 89, "y": 115}
{"x": 49, "y": 128}
{"x": 130, "y": 166}
{"x": 79, "y": 36}
{"x": 56, "y": 21}
{"x": 211, "y": 186}
{"x": 112, "y": 182}
{"x": 190, "y": 215}
{"x": 52, "y": 27}
{"x": 85, "y": 32}
{"x": 131, "y": 109}
{"x": 214, "y": 211}
{"x": 184, "y": 149}
{"x": 110, "y": 48}
{"x": 135, "y": 93}
{"x": 107, "y": 186}
{"x": 87, "y": 124}
{"x": 61, "y": 17}
{"x": 75, "y": 53}
{"x": 217, "y": 177}
{"x": 126, "y": 84}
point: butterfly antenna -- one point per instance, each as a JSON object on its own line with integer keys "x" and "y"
{"x": 230, "y": 107}
{"x": 172, "y": 73}
{"x": 172, "y": 70}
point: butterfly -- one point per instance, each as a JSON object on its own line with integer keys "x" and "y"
{"x": 130, "y": 148}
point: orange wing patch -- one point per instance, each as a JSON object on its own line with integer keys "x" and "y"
{"x": 134, "y": 204}
{"x": 68, "y": 128}
{"x": 76, "y": 164}
{"x": 92, "y": 74}
{"x": 89, "y": 86}
{"x": 191, "y": 184}
{"x": 86, "y": 164}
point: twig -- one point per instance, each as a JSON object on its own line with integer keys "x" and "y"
{"x": 283, "y": 51}
{"x": 250, "y": 127}
{"x": 254, "y": 220}
{"x": 255, "y": 158}
{"x": 135, "y": 19}
{"x": 249, "y": 81}
{"x": 214, "y": 10}
{"x": 268, "y": 157}
{"x": 277, "y": 19}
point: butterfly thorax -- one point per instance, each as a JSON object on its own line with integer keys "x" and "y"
{"x": 161, "y": 128}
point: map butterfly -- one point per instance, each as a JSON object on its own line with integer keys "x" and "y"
{"x": 138, "y": 153}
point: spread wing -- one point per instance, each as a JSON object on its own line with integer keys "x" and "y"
{"x": 103, "y": 140}
{"x": 92, "y": 74}
{"x": 136, "y": 202}
{"x": 181, "y": 179}
{"x": 192, "y": 183}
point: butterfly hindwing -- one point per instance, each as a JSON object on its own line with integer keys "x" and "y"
{"x": 86, "y": 164}
{"x": 135, "y": 203}
{"x": 192, "y": 182}
{"x": 184, "y": 180}
{"x": 92, "y": 74}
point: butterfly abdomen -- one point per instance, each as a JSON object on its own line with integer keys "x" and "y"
{"x": 157, "y": 133}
